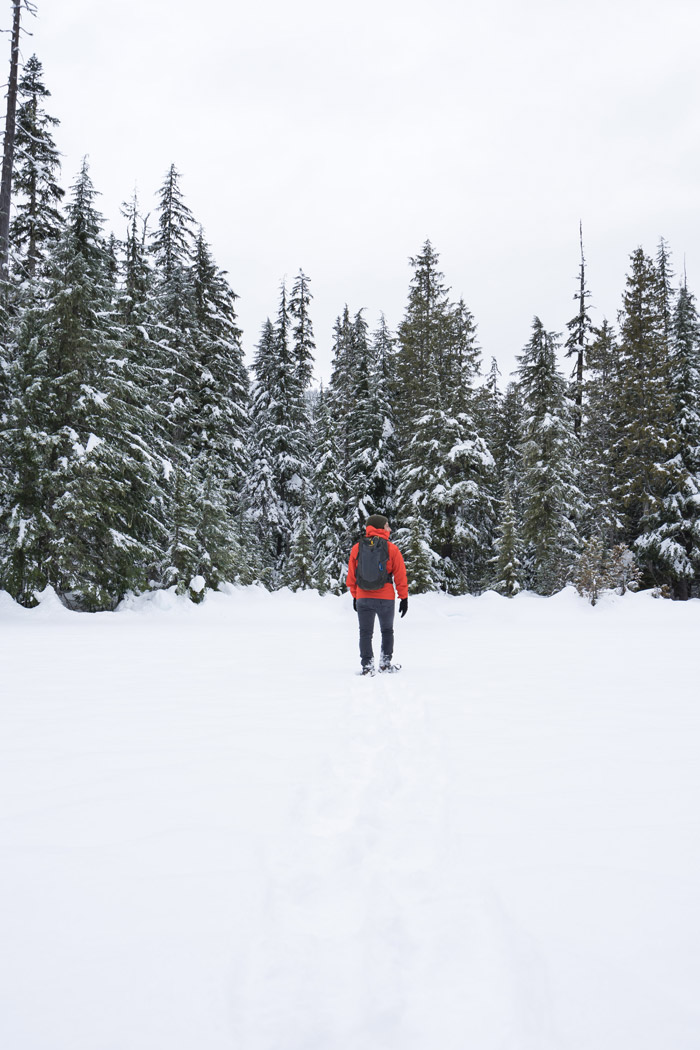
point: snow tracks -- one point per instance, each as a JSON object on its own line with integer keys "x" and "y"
{"x": 332, "y": 964}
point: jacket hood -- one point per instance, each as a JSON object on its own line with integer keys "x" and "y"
{"x": 371, "y": 531}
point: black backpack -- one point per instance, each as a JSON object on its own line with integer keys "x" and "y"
{"x": 372, "y": 557}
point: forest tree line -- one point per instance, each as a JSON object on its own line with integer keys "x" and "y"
{"x": 137, "y": 450}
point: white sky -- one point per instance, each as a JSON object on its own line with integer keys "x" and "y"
{"x": 338, "y": 137}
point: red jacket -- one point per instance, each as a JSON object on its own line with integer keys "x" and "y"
{"x": 394, "y": 565}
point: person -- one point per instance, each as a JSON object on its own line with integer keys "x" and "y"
{"x": 380, "y": 601}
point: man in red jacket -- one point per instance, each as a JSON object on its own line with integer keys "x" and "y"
{"x": 376, "y": 566}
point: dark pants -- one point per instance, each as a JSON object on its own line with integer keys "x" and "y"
{"x": 367, "y": 609}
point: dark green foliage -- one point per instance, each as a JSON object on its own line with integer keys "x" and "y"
{"x": 644, "y": 451}
{"x": 508, "y": 574}
{"x": 552, "y": 502}
{"x": 37, "y": 222}
{"x": 445, "y": 491}
{"x": 601, "y": 391}
{"x": 134, "y": 455}
{"x": 580, "y": 328}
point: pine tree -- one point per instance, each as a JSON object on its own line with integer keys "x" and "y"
{"x": 580, "y": 327}
{"x": 508, "y": 574}
{"x": 423, "y": 340}
{"x": 299, "y": 574}
{"x": 274, "y": 471}
{"x": 644, "y": 451}
{"x": 665, "y": 292}
{"x": 26, "y": 457}
{"x": 173, "y": 338}
{"x": 302, "y": 335}
{"x": 420, "y": 560}
{"x": 601, "y": 394}
{"x": 221, "y": 391}
{"x": 489, "y": 407}
{"x": 591, "y": 576}
{"x": 98, "y": 473}
{"x": 38, "y": 221}
{"x": 331, "y": 534}
{"x": 672, "y": 539}
{"x": 507, "y": 440}
{"x": 370, "y": 427}
{"x": 552, "y": 503}
{"x": 343, "y": 377}
{"x": 445, "y": 488}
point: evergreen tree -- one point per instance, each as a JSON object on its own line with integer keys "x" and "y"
{"x": 508, "y": 575}
{"x": 665, "y": 292}
{"x": 445, "y": 489}
{"x": 580, "y": 327}
{"x": 174, "y": 357}
{"x": 300, "y": 572}
{"x": 601, "y": 394}
{"x": 370, "y": 427}
{"x": 424, "y": 338}
{"x": 644, "y": 451}
{"x": 552, "y": 503}
{"x": 343, "y": 377}
{"x": 302, "y": 335}
{"x": 489, "y": 407}
{"x": 507, "y": 440}
{"x": 221, "y": 391}
{"x": 37, "y": 223}
{"x": 277, "y": 459}
{"x": 672, "y": 539}
{"x": 420, "y": 560}
{"x": 95, "y": 470}
{"x": 331, "y": 535}
{"x": 26, "y": 456}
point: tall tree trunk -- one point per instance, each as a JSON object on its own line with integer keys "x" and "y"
{"x": 579, "y": 348}
{"x": 9, "y": 145}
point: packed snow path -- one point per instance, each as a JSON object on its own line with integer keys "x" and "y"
{"x": 215, "y": 835}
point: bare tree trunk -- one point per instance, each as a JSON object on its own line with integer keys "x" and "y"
{"x": 9, "y": 145}
{"x": 580, "y": 348}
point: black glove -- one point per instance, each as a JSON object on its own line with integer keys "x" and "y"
{"x": 403, "y": 606}
{"x": 354, "y": 604}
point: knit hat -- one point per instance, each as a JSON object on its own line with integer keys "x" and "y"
{"x": 377, "y": 521}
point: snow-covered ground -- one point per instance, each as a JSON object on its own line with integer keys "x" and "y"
{"x": 215, "y": 836}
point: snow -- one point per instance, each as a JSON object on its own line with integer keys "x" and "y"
{"x": 214, "y": 834}
{"x": 93, "y": 442}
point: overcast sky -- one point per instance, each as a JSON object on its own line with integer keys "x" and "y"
{"x": 338, "y": 137}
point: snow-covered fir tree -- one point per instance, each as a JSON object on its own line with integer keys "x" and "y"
{"x": 369, "y": 427}
{"x": 265, "y": 506}
{"x": 424, "y": 337}
{"x": 445, "y": 488}
{"x": 220, "y": 398}
{"x": 205, "y": 396}
{"x": 332, "y": 537}
{"x": 579, "y": 328}
{"x": 489, "y": 406}
{"x": 279, "y": 476}
{"x": 38, "y": 221}
{"x": 98, "y": 472}
{"x": 552, "y": 501}
{"x": 343, "y": 377}
{"x": 507, "y": 438}
{"x": 643, "y": 454}
{"x": 507, "y": 574}
{"x": 171, "y": 251}
{"x": 601, "y": 391}
{"x": 26, "y": 464}
{"x": 673, "y": 545}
